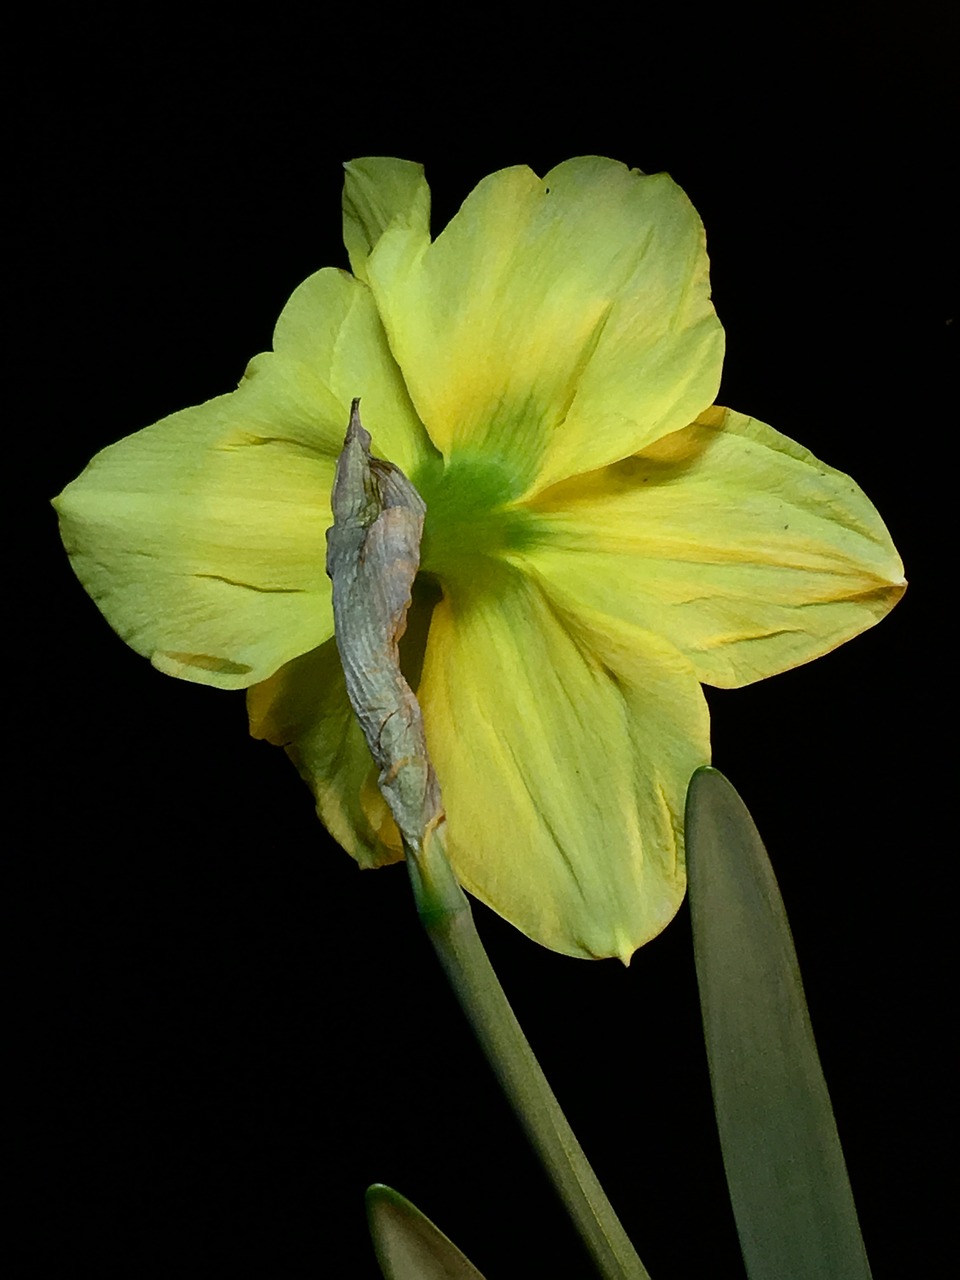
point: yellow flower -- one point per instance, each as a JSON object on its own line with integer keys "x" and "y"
{"x": 599, "y": 540}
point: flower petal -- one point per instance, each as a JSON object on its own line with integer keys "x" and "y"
{"x": 304, "y": 708}
{"x": 328, "y": 348}
{"x": 556, "y": 324}
{"x": 202, "y": 538}
{"x": 563, "y": 753}
{"x": 377, "y": 192}
{"x": 727, "y": 538}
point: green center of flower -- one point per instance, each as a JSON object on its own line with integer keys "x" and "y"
{"x": 471, "y": 517}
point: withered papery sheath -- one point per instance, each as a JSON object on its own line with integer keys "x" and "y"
{"x": 373, "y": 553}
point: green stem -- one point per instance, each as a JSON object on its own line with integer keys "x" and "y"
{"x": 448, "y": 920}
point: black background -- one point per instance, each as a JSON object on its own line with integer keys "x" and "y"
{"x": 232, "y": 1031}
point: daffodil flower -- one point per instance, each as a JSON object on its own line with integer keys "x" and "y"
{"x": 600, "y": 537}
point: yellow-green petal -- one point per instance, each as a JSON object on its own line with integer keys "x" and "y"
{"x": 556, "y": 324}
{"x": 563, "y": 751}
{"x": 202, "y": 537}
{"x": 377, "y": 192}
{"x": 329, "y": 345}
{"x": 732, "y": 541}
{"x": 304, "y": 708}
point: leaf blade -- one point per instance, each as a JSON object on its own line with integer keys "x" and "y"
{"x": 408, "y": 1245}
{"x": 785, "y": 1169}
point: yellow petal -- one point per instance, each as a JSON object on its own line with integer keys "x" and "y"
{"x": 328, "y": 348}
{"x": 377, "y": 192}
{"x": 563, "y": 752}
{"x": 727, "y": 538}
{"x": 202, "y": 538}
{"x": 556, "y": 324}
{"x": 304, "y": 708}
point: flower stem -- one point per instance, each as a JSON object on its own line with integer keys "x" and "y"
{"x": 373, "y": 550}
{"x": 448, "y": 920}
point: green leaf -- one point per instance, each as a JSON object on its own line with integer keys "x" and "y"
{"x": 408, "y": 1245}
{"x": 785, "y": 1169}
